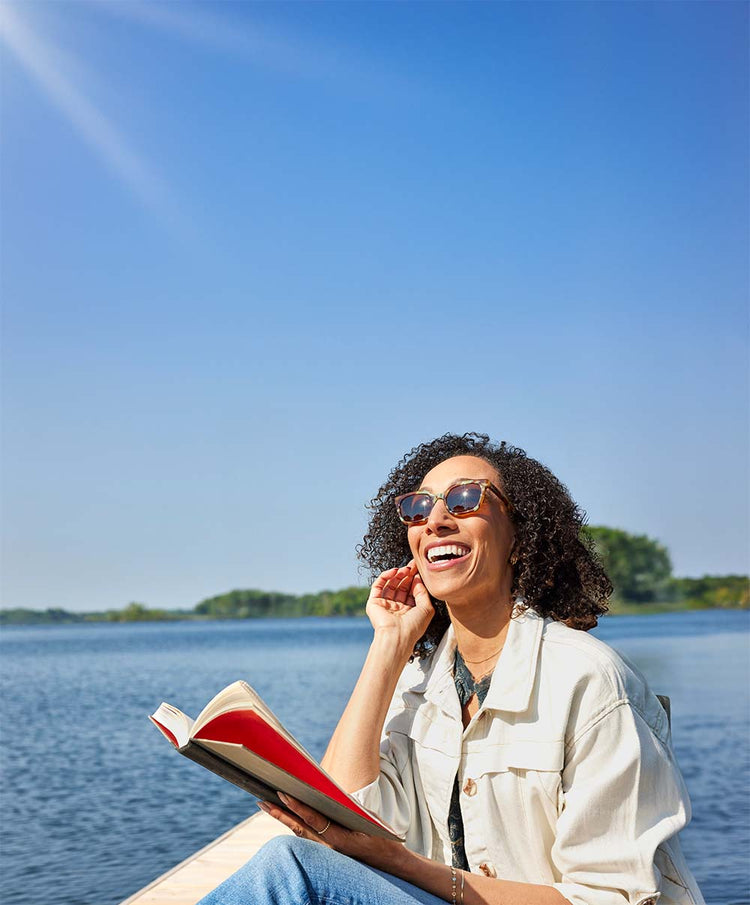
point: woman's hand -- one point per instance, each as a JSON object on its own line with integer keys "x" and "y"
{"x": 307, "y": 823}
{"x": 396, "y": 859}
{"x": 399, "y": 603}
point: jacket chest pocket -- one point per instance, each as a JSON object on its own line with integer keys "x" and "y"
{"x": 541, "y": 756}
{"x": 529, "y": 771}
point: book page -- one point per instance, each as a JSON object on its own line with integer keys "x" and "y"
{"x": 341, "y": 808}
{"x": 241, "y": 696}
{"x": 173, "y": 723}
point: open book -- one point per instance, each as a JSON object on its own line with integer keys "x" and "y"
{"x": 237, "y": 737}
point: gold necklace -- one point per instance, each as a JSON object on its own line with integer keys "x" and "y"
{"x": 474, "y": 662}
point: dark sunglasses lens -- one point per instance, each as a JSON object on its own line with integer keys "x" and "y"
{"x": 415, "y": 507}
{"x": 463, "y": 498}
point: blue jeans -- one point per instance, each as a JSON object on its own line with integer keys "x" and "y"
{"x": 292, "y": 871}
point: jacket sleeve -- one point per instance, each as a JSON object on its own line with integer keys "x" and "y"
{"x": 387, "y": 796}
{"x": 396, "y": 795}
{"x": 623, "y": 795}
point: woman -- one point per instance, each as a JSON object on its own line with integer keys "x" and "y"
{"x": 524, "y": 761}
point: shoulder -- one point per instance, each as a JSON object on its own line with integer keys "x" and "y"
{"x": 594, "y": 677}
{"x": 581, "y": 655}
{"x": 409, "y": 694}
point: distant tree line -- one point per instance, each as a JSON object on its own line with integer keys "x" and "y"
{"x": 257, "y": 604}
{"x": 639, "y": 567}
{"x": 640, "y": 570}
{"x": 133, "y": 612}
{"x": 250, "y": 604}
{"x": 51, "y": 616}
{"x": 725, "y": 591}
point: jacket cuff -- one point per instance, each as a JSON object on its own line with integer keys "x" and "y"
{"x": 577, "y": 894}
{"x": 369, "y": 796}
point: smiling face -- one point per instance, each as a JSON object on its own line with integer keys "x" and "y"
{"x": 464, "y": 559}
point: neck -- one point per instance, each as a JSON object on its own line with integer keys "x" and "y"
{"x": 481, "y": 631}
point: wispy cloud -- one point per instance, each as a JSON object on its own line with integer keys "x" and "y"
{"x": 42, "y": 62}
{"x": 198, "y": 26}
{"x": 270, "y": 48}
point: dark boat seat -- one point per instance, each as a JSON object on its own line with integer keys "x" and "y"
{"x": 667, "y": 705}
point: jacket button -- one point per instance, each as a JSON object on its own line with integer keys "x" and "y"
{"x": 488, "y": 869}
{"x": 470, "y": 787}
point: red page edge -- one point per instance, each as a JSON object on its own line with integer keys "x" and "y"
{"x": 165, "y": 731}
{"x": 291, "y": 760}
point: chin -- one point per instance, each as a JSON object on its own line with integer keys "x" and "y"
{"x": 444, "y": 588}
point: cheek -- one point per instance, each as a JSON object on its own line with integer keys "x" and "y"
{"x": 497, "y": 546}
{"x": 413, "y": 538}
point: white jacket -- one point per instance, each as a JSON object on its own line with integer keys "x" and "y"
{"x": 566, "y": 771}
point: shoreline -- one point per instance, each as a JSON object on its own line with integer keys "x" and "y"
{"x": 40, "y": 617}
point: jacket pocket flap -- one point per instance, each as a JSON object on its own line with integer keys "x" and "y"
{"x": 426, "y": 732}
{"x": 518, "y": 755}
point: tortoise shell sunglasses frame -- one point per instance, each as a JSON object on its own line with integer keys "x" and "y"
{"x": 456, "y": 509}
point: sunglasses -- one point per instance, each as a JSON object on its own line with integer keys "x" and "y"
{"x": 461, "y": 498}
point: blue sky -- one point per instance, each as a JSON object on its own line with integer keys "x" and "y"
{"x": 252, "y": 253}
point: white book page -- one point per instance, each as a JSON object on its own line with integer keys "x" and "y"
{"x": 240, "y": 696}
{"x": 175, "y": 721}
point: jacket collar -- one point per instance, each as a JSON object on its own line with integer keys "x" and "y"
{"x": 512, "y": 680}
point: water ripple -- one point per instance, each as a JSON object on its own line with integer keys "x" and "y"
{"x": 96, "y": 805}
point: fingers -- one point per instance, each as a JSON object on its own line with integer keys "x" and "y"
{"x": 383, "y": 578}
{"x": 400, "y": 583}
{"x": 392, "y": 588}
{"x": 289, "y": 821}
{"x": 421, "y": 594}
{"x": 411, "y": 583}
{"x": 386, "y": 589}
{"x": 405, "y": 580}
{"x": 296, "y": 824}
{"x": 311, "y": 818}
{"x": 379, "y": 853}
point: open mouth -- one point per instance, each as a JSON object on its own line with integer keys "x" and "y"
{"x": 447, "y": 553}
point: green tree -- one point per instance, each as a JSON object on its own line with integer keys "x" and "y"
{"x": 639, "y": 567}
{"x": 138, "y": 612}
{"x": 249, "y": 604}
{"x": 37, "y": 617}
{"x": 252, "y": 604}
{"x": 728, "y": 591}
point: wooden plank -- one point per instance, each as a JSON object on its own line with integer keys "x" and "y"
{"x": 193, "y": 878}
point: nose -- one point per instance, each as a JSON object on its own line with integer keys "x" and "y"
{"x": 439, "y": 518}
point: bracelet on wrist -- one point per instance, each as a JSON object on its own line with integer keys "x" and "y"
{"x": 455, "y": 888}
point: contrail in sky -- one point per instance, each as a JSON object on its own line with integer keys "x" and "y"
{"x": 195, "y": 25}
{"x": 268, "y": 47}
{"x": 37, "y": 58}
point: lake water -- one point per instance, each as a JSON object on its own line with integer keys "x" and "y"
{"x": 95, "y": 804}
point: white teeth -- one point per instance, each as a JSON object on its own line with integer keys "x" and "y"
{"x": 447, "y": 550}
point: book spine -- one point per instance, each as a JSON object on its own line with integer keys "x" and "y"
{"x": 286, "y": 783}
{"x": 230, "y": 772}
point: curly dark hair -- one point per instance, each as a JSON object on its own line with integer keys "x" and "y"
{"x": 556, "y": 570}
